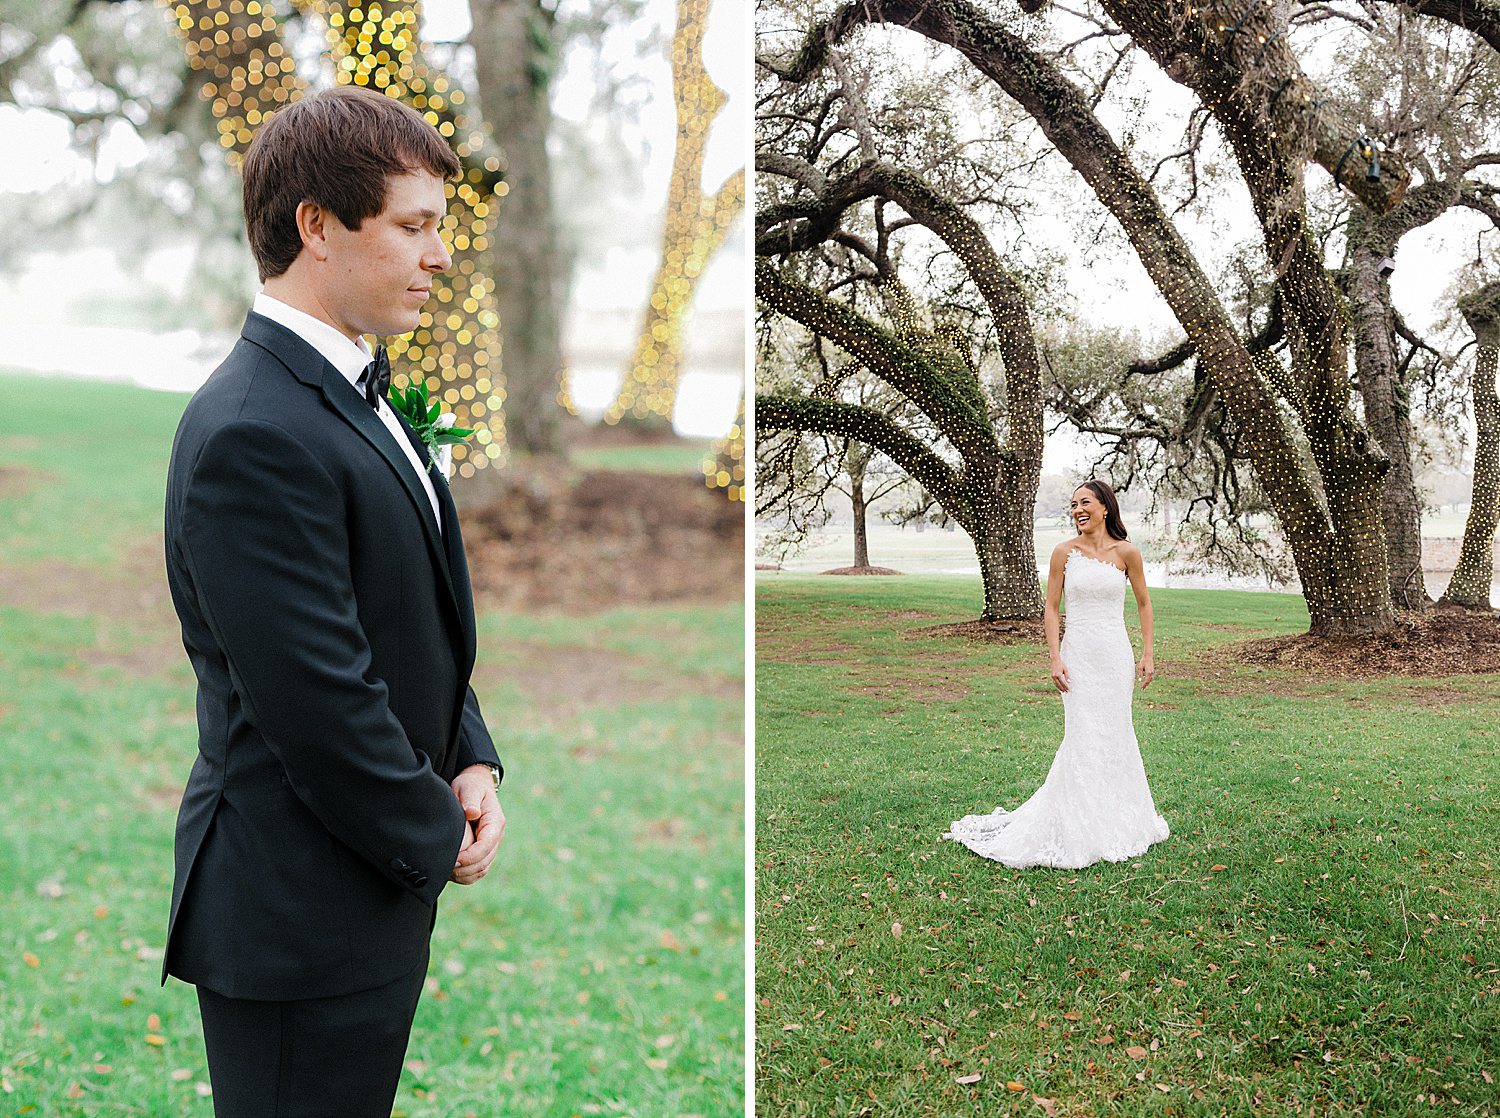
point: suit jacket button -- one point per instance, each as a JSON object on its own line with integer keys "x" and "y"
{"x": 399, "y": 866}
{"x": 420, "y": 880}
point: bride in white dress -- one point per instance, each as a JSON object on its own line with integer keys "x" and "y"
{"x": 1095, "y": 804}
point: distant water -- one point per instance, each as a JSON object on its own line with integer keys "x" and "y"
{"x": 936, "y": 552}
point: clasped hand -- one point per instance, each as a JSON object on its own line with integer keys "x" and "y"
{"x": 484, "y": 824}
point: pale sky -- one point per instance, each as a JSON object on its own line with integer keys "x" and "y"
{"x": 611, "y": 285}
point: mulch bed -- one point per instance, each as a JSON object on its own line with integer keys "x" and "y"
{"x": 1425, "y": 642}
{"x": 1422, "y": 643}
{"x": 585, "y": 541}
{"x": 988, "y": 632}
{"x": 862, "y": 571}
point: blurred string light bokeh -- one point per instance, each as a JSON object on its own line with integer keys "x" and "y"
{"x": 249, "y": 72}
{"x": 239, "y": 51}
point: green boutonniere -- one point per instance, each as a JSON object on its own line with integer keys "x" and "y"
{"x": 433, "y": 425}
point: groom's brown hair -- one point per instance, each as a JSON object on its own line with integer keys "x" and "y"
{"x": 334, "y": 149}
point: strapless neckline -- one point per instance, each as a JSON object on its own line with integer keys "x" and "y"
{"x": 1102, "y": 562}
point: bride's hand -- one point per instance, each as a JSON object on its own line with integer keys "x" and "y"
{"x": 1059, "y": 675}
{"x": 1145, "y": 671}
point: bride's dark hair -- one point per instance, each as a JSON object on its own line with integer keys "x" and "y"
{"x": 1113, "y": 525}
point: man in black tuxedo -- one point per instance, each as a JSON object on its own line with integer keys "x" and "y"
{"x": 344, "y": 772}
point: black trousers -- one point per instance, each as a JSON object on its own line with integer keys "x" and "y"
{"x": 336, "y": 1057}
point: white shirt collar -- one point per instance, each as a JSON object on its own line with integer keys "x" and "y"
{"x": 347, "y": 357}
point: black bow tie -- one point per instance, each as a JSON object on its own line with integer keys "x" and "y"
{"x": 376, "y": 379}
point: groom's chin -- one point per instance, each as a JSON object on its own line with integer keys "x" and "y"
{"x": 395, "y": 325}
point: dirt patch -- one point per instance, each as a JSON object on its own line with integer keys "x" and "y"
{"x": 1427, "y": 642}
{"x": 1437, "y": 697}
{"x": 1217, "y": 672}
{"x": 17, "y": 481}
{"x": 562, "y": 680}
{"x": 862, "y": 571}
{"x": 917, "y": 691}
{"x": 601, "y": 539}
{"x": 986, "y": 632}
{"x": 142, "y": 655}
{"x": 132, "y": 588}
{"x": 138, "y": 630}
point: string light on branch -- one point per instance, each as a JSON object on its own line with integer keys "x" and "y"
{"x": 1313, "y": 460}
{"x": 249, "y": 73}
{"x": 696, "y": 225}
{"x": 724, "y": 468}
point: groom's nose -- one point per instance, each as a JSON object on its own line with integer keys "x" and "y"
{"x": 438, "y": 258}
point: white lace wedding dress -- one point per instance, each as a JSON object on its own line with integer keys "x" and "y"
{"x": 1095, "y": 804}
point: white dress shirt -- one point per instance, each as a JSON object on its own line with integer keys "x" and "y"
{"x": 351, "y": 359}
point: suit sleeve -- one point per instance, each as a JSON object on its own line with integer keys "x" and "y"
{"x": 264, "y": 537}
{"x": 475, "y": 746}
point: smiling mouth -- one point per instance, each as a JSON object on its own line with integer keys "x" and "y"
{"x": 1082, "y": 518}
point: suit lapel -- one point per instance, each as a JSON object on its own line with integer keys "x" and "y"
{"x": 453, "y": 541}
{"x": 458, "y": 567}
{"x": 310, "y": 367}
{"x": 349, "y": 404}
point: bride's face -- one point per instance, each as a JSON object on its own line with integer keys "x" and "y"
{"x": 1087, "y": 510}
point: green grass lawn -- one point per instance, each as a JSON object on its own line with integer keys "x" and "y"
{"x": 681, "y": 456}
{"x": 598, "y": 969}
{"x": 1317, "y": 936}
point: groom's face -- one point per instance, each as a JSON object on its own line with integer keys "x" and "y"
{"x": 381, "y": 273}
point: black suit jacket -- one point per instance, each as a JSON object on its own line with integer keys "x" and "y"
{"x": 331, "y": 628}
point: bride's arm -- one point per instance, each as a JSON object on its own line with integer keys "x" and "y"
{"x": 1051, "y": 620}
{"x": 1135, "y": 570}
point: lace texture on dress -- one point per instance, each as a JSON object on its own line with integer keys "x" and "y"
{"x": 1095, "y": 804}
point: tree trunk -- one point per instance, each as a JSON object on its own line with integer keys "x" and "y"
{"x": 1007, "y": 554}
{"x": 696, "y": 224}
{"x": 1470, "y": 585}
{"x": 861, "y": 540}
{"x": 1386, "y": 412}
{"x": 514, "y": 56}
{"x": 1349, "y": 590}
{"x": 1008, "y": 593}
{"x": 856, "y": 463}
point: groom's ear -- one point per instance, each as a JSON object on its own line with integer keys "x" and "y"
{"x": 312, "y": 226}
